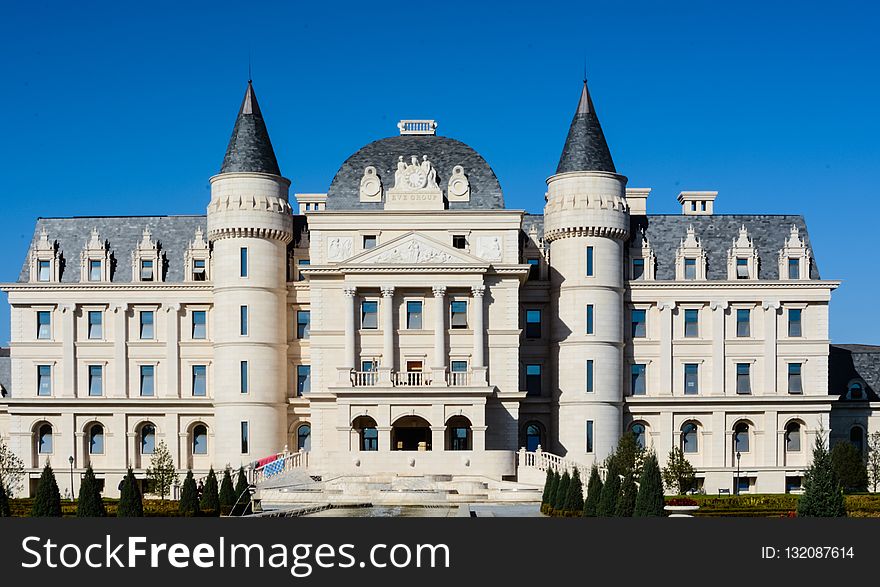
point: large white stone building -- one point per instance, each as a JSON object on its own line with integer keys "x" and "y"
{"x": 407, "y": 322}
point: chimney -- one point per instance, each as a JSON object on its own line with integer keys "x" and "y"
{"x": 637, "y": 198}
{"x": 697, "y": 203}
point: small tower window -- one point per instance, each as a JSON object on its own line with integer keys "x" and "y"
{"x": 243, "y": 265}
{"x": 589, "y": 261}
{"x": 639, "y": 324}
{"x": 199, "y": 268}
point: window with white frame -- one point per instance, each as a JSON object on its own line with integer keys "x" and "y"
{"x": 743, "y": 378}
{"x": 741, "y": 438}
{"x": 691, "y": 323}
{"x": 743, "y": 322}
{"x": 199, "y": 325}
{"x": 96, "y": 324}
{"x": 303, "y": 324}
{"x": 44, "y": 325}
{"x": 370, "y": 315}
{"x": 44, "y": 380}
{"x": 793, "y": 437}
{"x": 458, "y": 314}
{"x": 146, "y": 325}
{"x": 691, "y": 378}
{"x": 200, "y": 380}
{"x": 96, "y": 439}
{"x": 795, "y": 381}
{"x": 96, "y": 380}
{"x": 638, "y": 379}
{"x": 794, "y": 322}
{"x": 147, "y": 380}
{"x": 690, "y": 442}
{"x": 200, "y": 439}
{"x": 414, "y": 314}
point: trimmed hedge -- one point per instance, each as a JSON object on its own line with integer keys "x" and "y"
{"x": 863, "y": 505}
{"x": 154, "y": 508}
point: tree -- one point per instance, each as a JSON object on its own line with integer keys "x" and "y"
{"x": 210, "y": 500}
{"x": 678, "y": 474}
{"x": 189, "y": 496}
{"x": 610, "y": 490}
{"x": 90, "y": 504}
{"x": 227, "y": 493}
{"x": 546, "y": 494}
{"x": 594, "y": 492}
{"x": 629, "y": 456}
{"x": 649, "y": 501}
{"x": 873, "y": 463}
{"x": 822, "y": 496}
{"x": 574, "y": 499}
{"x": 561, "y": 494}
{"x": 626, "y": 499}
{"x": 849, "y": 466}
{"x": 11, "y": 470}
{"x": 547, "y": 508}
{"x": 47, "y": 501}
{"x": 131, "y": 504}
{"x": 242, "y": 497}
{"x": 161, "y": 473}
{"x": 4, "y": 502}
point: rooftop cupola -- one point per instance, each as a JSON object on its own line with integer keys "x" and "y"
{"x": 585, "y": 147}
{"x": 250, "y": 149}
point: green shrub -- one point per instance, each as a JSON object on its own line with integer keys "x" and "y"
{"x": 189, "y": 496}
{"x": 574, "y": 499}
{"x": 131, "y": 503}
{"x": 594, "y": 492}
{"x": 822, "y": 496}
{"x": 210, "y": 500}
{"x": 561, "y": 494}
{"x": 47, "y": 501}
{"x": 610, "y": 491}
{"x": 649, "y": 501}
{"x": 90, "y": 504}
{"x": 227, "y": 492}
{"x": 4, "y": 502}
{"x": 849, "y": 466}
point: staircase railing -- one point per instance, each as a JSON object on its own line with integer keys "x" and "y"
{"x": 286, "y": 461}
{"x": 542, "y": 461}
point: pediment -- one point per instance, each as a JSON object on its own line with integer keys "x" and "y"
{"x": 414, "y": 249}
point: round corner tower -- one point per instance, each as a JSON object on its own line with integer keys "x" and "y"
{"x": 250, "y": 226}
{"x": 586, "y": 220}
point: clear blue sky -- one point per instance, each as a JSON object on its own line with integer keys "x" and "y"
{"x": 117, "y": 108}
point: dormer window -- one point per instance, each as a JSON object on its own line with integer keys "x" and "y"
{"x": 198, "y": 270}
{"x": 690, "y": 259}
{"x": 45, "y": 259}
{"x": 146, "y": 259}
{"x": 690, "y": 268}
{"x": 95, "y": 259}
{"x": 44, "y": 270}
{"x": 95, "y": 270}
{"x": 196, "y": 258}
{"x": 642, "y": 259}
{"x": 794, "y": 268}
{"x": 742, "y": 257}
{"x": 638, "y": 268}
{"x": 855, "y": 390}
{"x": 742, "y": 268}
{"x": 794, "y": 257}
{"x": 147, "y": 270}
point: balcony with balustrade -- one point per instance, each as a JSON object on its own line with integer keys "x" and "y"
{"x": 376, "y": 378}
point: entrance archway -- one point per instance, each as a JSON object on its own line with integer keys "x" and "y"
{"x": 458, "y": 433}
{"x": 411, "y": 433}
{"x": 368, "y": 436}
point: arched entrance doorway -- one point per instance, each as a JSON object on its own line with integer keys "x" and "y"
{"x": 411, "y": 433}
{"x": 458, "y": 433}
{"x": 533, "y": 436}
{"x": 368, "y": 435}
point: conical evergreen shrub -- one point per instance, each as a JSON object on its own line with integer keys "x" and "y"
{"x": 649, "y": 501}
{"x": 242, "y": 499}
{"x": 594, "y": 492}
{"x": 610, "y": 491}
{"x": 210, "y": 501}
{"x": 241, "y": 483}
{"x": 89, "y": 504}
{"x": 561, "y": 494}
{"x": 4, "y": 502}
{"x": 227, "y": 492}
{"x": 849, "y": 467}
{"x": 47, "y": 501}
{"x": 545, "y": 497}
{"x": 131, "y": 503}
{"x": 574, "y": 499}
{"x": 551, "y": 493}
{"x": 189, "y": 497}
{"x": 823, "y": 497}
{"x": 626, "y": 500}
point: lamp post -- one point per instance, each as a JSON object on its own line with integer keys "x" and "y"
{"x": 70, "y": 460}
{"x": 736, "y": 486}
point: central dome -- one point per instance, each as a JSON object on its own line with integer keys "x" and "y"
{"x": 443, "y": 153}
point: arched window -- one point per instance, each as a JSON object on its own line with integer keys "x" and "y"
{"x": 793, "y": 437}
{"x": 96, "y": 439}
{"x": 44, "y": 439}
{"x": 148, "y": 439}
{"x": 459, "y": 433}
{"x": 200, "y": 440}
{"x": 638, "y": 431}
{"x": 368, "y": 434}
{"x": 855, "y": 390}
{"x": 856, "y": 437}
{"x": 533, "y": 436}
{"x": 689, "y": 439}
{"x": 304, "y": 437}
{"x": 741, "y": 437}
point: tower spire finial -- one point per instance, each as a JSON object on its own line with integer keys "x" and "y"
{"x": 250, "y": 77}
{"x": 585, "y": 147}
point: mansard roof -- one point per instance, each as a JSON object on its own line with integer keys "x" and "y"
{"x": 854, "y": 361}
{"x": 585, "y": 146}
{"x": 249, "y": 146}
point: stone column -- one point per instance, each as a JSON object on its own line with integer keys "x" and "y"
{"x": 384, "y": 433}
{"x": 172, "y": 353}
{"x": 68, "y": 352}
{"x": 438, "y": 370}
{"x": 771, "y": 307}
{"x": 120, "y": 355}
{"x": 718, "y": 346}
{"x": 478, "y": 365}
{"x": 666, "y": 308}
{"x": 438, "y": 438}
{"x": 387, "y": 310}
{"x": 344, "y": 370}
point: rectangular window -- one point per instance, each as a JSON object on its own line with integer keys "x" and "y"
{"x": 370, "y": 315}
{"x": 200, "y": 380}
{"x": 589, "y": 375}
{"x": 638, "y": 379}
{"x": 368, "y": 366}
{"x": 96, "y": 322}
{"x": 742, "y": 268}
{"x": 245, "y": 434}
{"x": 639, "y": 324}
{"x": 743, "y": 322}
{"x": 43, "y": 273}
{"x": 243, "y": 264}
{"x": 691, "y": 323}
{"x": 44, "y": 325}
{"x": 94, "y": 270}
{"x": 459, "y": 241}
{"x": 589, "y": 436}
{"x": 370, "y": 241}
{"x": 243, "y": 377}
{"x": 533, "y": 379}
{"x": 148, "y": 380}
{"x": 638, "y": 268}
{"x": 303, "y": 324}
{"x": 96, "y": 380}
{"x": 534, "y": 268}
{"x": 533, "y": 323}
{"x": 458, "y": 314}
{"x": 589, "y": 318}
{"x": 243, "y": 320}
{"x": 303, "y": 379}
{"x": 794, "y": 322}
{"x": 199, "y": 273}
{"x": 146, "y": 329}
{"x": 691, "y": 378}
{"x": 199, "y": 325}
{"x": 414, "y": 315}
{"x": 690, "y": 268}
{"x": 301, "y": 264}
{"x": 795, "y": 382}
{"x": 794, "y": 268}
{"x": 147, "y": 270}
{"x": 44, "y": 380}
{"x": 743, "y": 381}
{"x": 589, "y": 261}
{"x": 459, "y": 366}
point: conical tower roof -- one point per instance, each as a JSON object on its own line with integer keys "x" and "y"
{"x": 585, "y": 147}
{"x": 249, "y": 147}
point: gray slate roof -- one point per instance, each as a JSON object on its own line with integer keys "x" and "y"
{"x": 123, "y": 233}
{"x": 249, "y": 146}
{"x": 443, "y": 153}
{"x": 5, "y": 373}
{"x": 717, "y": 233}
{"x": 854, "y": 361}
{"x": 585, "y": 146}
